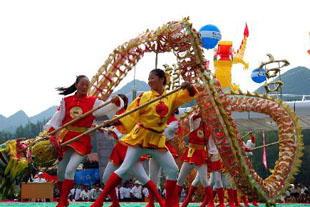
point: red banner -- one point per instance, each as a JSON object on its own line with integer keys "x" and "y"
{"x": 264, "y": 151}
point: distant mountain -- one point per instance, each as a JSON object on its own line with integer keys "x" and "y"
{"x": 296, "y": 81}
{"x": 13, "y": 121}
{"x": 46, "y": 114}
{"x": 20, "y": 118}
{"x": 128, "y": 88}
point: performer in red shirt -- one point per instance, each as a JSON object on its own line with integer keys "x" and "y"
{"x": 70, "y": 108}
{"x": 248, "y": 148}
{"x": 195, "y": 156}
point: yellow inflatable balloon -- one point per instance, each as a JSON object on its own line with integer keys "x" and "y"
{"x": 225, "y": 57}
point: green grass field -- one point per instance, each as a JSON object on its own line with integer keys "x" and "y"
{"x": 87, "y": 204}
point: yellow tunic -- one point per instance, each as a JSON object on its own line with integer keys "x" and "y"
{"x": 150, "y": 135}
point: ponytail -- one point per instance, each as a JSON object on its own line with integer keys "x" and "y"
{"x": 70, "y": 89}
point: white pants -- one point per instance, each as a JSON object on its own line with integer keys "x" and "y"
{"x": 202, "y": 174}
{"x": 220, "y": 180}
{"x": 165, "y": 159}
{"x": 68, "y": 165}
{"x": 137, "y": 171}
{"x": 154, "y": 170}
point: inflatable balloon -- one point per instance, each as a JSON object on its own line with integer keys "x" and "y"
{"x": 225, "y": 57}
{"x": 210, "y": 36}
{"x": 258, "y": 75}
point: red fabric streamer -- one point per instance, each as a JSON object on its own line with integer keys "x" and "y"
{"x": 49, "y": 178}
{"x": 264, "y": 152}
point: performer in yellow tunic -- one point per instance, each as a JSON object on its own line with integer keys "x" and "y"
{"x": 145, "y": 134}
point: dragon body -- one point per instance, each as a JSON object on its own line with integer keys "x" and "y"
{"x": 183, "y": 41}
{"x": 17, "y": 155}
{"x": 180, "y": 38}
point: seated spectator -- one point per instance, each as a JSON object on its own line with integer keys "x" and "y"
{"x": 73, "y": 191}
{"x": 145, "y": 194}
{"x": 71, "y": 198}
{"x": 95, "y": 192}
{"x": 85, "y": 194}
{"x": 124, "y": 192}
{"x": 136, "y": 192}
{"x": 78, "y": 193}
{"x": 39, "y": 178}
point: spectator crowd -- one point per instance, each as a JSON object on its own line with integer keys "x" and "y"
{"x": 296, "y": 193}
{"x": 133, "y": 191}
{"x": 130, "y": 191}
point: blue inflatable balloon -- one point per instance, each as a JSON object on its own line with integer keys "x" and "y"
{"x": 258, "y": 76}
{"x": 210, "y": 36}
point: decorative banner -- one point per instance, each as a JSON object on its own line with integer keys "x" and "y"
{"x": 308, "y": 51}
{"x": 273, "y": 71}
{"x": 264, "y": 151}
{"x": 87, "y": 177}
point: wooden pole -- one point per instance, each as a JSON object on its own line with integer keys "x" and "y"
{"x": 78, "y": 118}
{"x": 245, "y": 135}
{"x": 67, "y": 124}
{"x": 267, "y": 145}
{"x": 117, "y": 118}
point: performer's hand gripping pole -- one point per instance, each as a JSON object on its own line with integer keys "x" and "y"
{"x": 78, "y": 118}
{"x": 117, "y": 118}
{"x": 67, "y": 124}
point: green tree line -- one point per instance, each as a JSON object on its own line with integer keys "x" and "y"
{"x": 272, "y": 155}
{"x": 30, "y": 130}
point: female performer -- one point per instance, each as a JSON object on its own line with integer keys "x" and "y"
{"x": 221, "y": 180}
{"x": 195, "y": 156}
{"x": 145, "y": 134}
{"x": 70, "y": 108}
{"x": 117, "y": 158}
{"x": 217, "y": 176}
{"x": 154, "y": 167}
{"x": 248, "y": 148}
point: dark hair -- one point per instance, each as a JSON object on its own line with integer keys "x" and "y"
{"x": 160, "y": 73}
{"x": 72, "y": 88}
{"x": 176, "y": 111}
{"x": 125, "y": 99}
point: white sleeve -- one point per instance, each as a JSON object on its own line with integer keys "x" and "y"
{"x": 118, "y": 133}
{"x": 171, "y": 129}
{"x": 57, "y": 118}
{"x": 109, "y": 136}
{"x": 194, "y": 124}
{"x": 108, "y": 109}
{"x": 249, "y": 144}
{"x": 211, "y": 146}
{"x": 191, "y": 124}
